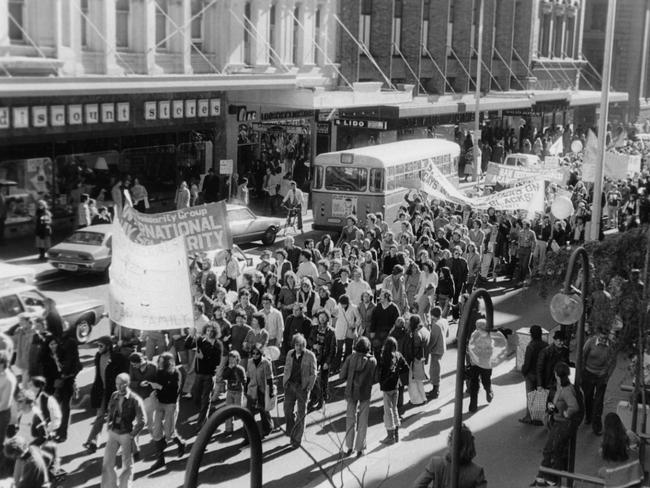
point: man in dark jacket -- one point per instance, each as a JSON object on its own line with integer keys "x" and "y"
{"x": 208, "y": 356}
{"x": 126, "y": 418}
{"x": 546, "y": 361}
{"x": 529, "y": 368}
{"x": 459, "y": 271}
{"x": 108, "y": 364}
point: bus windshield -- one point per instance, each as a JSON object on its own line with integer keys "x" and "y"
{"x": 339, "y": 178}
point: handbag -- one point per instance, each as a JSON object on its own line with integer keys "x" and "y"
{"x": 536, "y": 401}
{"x": 270, "y": 401}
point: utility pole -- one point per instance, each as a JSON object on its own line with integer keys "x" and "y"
{"x": 477, "y": 101}
{"x": 597, "y": 211}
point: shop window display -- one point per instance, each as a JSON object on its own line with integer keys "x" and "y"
{"x": 24, "y": 182}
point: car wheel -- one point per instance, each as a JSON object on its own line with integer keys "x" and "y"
{"x": 269, "y": 236}
{"x": 82, "y": 329}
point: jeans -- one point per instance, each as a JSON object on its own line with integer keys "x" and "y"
{"x": 188, "y": 369}
{"x": 202, "y": 393}
{"x": 232, "y": 398}
{"x": 295, "y": 398}
{"x": 539, "y": 256}
{"x": 477, "y": 373}
{"x": 320, "y": 393}
{"x": 64, "y": 396}
{"x": 164, "y": 425}
{"x": 115, "y": 442}
{"x": 434, "y": 370}
{"x": 556, "y": 451}
{"x": 594, "y": 388}
{"x": 356, "y": 424}
{"x": 98, "y": 424}
{"x": 486, "y": 264}
{"x": 523, "y": 263}
{"x": 265, "y": 416}
{"x": 391, "y": 416}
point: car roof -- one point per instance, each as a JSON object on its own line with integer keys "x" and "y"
{"x": 99, "y": 228}
{"x": 10, "y": 288}
{"x": 234, "y": 206}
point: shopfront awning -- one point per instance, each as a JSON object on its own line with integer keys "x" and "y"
{"x": 422, "y": 107}
{"x": 27, "y": 87}
{"x": 592, "y": 97}
{"x": 494, "y": 102}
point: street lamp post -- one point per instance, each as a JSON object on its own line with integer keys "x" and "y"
{"x": 206, "y": 433}
{"x": 463, "y": 337}
{"x": 566, "y": 310}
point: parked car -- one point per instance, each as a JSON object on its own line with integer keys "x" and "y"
{"x": 523, "y": 160}
{"x": 245, "y": 226}
{"x": 16, "y": 274}
{"x": 87, "y": 249}
{"x": 78, "y": 312}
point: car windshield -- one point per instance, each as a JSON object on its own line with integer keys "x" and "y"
{"x": 346, "y": 179}
{"x": 88, "y": 238}
{"x": 10, "y": 306}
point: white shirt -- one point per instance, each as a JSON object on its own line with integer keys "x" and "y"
{"x": 355, "y": 290}
{"x": 307, "y": 268}
{"x": 347, "y": 322}
{"x": 295, "y": 197}
{"x": 55, "y": 413}
{"x": 274, "y": 324}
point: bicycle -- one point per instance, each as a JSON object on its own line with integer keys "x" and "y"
{"x": 292, "y": 217}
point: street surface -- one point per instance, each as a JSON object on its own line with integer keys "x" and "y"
{"x": 509, "y": 451}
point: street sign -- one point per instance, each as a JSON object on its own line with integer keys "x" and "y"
{"x": 225, "y": 166}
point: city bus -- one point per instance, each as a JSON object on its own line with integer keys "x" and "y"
{"x": 372, "y": 179}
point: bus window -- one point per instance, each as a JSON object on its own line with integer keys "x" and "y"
{"x": 376, "y": 180}
{"x": 318, "y": 178}
{"x": 346, "y": 179}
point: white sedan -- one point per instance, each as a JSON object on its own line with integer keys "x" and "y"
{"x": 87, "y": 249}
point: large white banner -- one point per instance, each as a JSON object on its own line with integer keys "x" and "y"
{"x": 504, "y": 175}
{"x": 149, "y": 284}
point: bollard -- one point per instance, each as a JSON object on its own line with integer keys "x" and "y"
{"x": 209, "y": 428}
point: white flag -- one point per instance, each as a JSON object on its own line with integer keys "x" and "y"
{"x": 557, "y": 147}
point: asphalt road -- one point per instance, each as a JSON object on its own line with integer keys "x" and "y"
{"x": 509, "y": 451}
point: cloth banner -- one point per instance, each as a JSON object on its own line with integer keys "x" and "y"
{"x": 527, "y": 196}
{"x": 205, "y": 227}
{"x": 149, "y": 284}
{"x": 551, "y": 162}
{"x": 617, "y": 166}
{"x": 503, "y": 175}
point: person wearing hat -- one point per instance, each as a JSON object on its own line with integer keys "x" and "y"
{"x": 548, "y": 357}
{"x": 529, "y": 368}
{"x": 108, "y": 364}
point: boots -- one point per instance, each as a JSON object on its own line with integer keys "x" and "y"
{"x": 390, "y": 438}
{"x": 180, "y": 444}
{"x": 396, "y": 434}
{"x": 160, "y": 461}
{"x": 435, "y": 392}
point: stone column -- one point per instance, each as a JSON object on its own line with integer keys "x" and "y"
{"x": 102, "y": 14}
{"x": 144, "y": 37}
{"x": 180, "y": 42}
{"x": 69, "y": 45}
{"x": 326, "y": 35}
{"x": 260, "y": 18}
{"x": 307, "y": 33}
{"x": 4, "y": 27}
{"x": 284, "y": 31}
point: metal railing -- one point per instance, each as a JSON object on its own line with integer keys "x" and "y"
{"x": 206, "y": 433}
{"x": 572, "y": 477}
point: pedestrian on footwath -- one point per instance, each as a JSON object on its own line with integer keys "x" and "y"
{"x": 529, "y": 368}
{"x": 436, "y": 348}
{"x": 108, "y": 364}
{"x": 417, "y": 355}
{"x": 392, "y": 366}
{"x": 598, "y": 360}
{"x": 298, "y": 381}
{"x": 168, "y": 389}
{"x": 43, "y": 230}
{"x": 564, "y": 408}
{"x": 358, "y": 370}
{"x": 126, "y": 418}
{"x": 477, "y": 373}
{"x": 322, "y": 341}
{"x": 438, "y": 473}
{"x": 259, "y": 377}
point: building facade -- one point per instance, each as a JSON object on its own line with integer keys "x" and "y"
{"x": 94, "y": 89}
{"x": 631, "y": 52}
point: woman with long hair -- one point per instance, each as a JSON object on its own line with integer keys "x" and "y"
{"x": 260, "y": 380}
{"x": 391, "y": 366}
{"x": 426, "y": 291}
{"x": 325, "y": 245}
{"x": 272, "y": 287}
{"x": 438, "y": 473}
{"x": 366, "y": 308}
{"x": 621, "y": 466}
{"x": 446, "y": 290}
{"x": 307, "y": 296}
{"x": 473, "y": 259}
{"x": 288, "y": 294}
{"x": 370, "y": 268}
